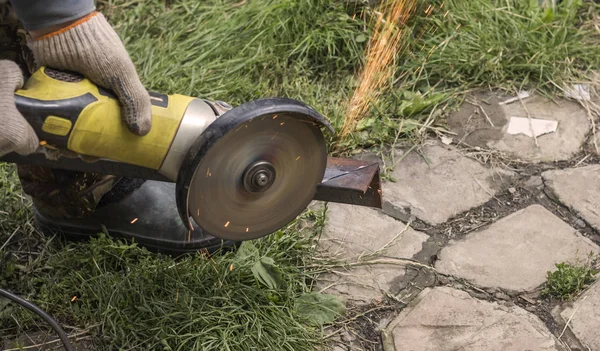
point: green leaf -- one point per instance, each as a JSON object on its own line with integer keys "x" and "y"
{"x": 6, "y": 310}
{"x": 548, "y": 15}
{"x": 246, "y": 251}
{"x": 365, "y": 124}
{"x": 415, "y": 103}
{"x": 267, "y": 273}
{"x": 319, "y": 309}
{"x": 361, "y": 38}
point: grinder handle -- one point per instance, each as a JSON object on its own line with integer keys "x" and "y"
{"x": 69, "y": 112}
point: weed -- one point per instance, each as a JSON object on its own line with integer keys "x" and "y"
{"x": 568, "y": 280}
{"x": 126, "y": 297}
{"x": 312, "y": 51}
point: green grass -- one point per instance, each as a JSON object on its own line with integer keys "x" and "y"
{"x": 509, "y": 44}
{"x": 130, "y": 298}
{"x": 310, "y": 50}
{"x": 568, "y": 280}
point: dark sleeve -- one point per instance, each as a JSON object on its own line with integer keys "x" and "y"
{"x": 39, "y": 14}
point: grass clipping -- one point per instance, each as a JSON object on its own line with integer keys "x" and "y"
{"x": 387, "y": 40}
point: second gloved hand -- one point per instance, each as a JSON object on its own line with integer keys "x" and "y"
{"x": 90, "y": 46}
{"x": 15, "y": 132}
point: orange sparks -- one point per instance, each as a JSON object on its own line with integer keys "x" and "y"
{"x": 43, "y": 142}
{"x": 282, "y": 123}
{"x": 226, "y": 224}
{"x": 231, "y": 267}
{"x": 198, "y": 212}
{"x": 274, "y": 117}
{"x": 208, "y": 173}
{"x": 387, "y": 41}
{"x": 189, "y": 236}
{"x": 297, "y": 158}
{"x": 134, "y": 220}
{"x": 74, "y": 298}
{"x": 247, "y": 229}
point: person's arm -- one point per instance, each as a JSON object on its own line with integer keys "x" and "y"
{"x": 45, "y": 16}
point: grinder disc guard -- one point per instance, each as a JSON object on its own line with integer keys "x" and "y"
{"x": 254, "y": 169}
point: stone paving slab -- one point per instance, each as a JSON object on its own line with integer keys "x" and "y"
{"x": 579, "y": 189}
{"x": 573, "y": 127}
{"x": 350, "y": 233}
{"x": 474, "y": 128}
{"x": 443, "y": 319}
{"x": 439, "y": 184}
{"x": 585, "y": 317}
{"x": 516, "y": 252}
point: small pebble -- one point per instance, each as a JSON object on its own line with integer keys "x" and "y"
{"x": 480, "y": 296}
{"x": 501, "y": 296}
{"x": 346, "y": 336}
{"x": 443, "y": 280}
{"x": 579, "y": 223}
{"x": 534, "y": 182}
{"x": 512, "y": 190}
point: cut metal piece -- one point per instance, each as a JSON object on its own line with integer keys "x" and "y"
{"x": 345, "y": 180}
{"x": 253, "y": 170}
{"x": 351, "y": 181}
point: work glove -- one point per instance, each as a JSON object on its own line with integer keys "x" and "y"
{"x": 90, "y": 46}
{"x": 16, "y": 135}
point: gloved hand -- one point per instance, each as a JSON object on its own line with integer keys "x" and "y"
{"x": 16, "y": 135}
{"x": 90, "y": 46}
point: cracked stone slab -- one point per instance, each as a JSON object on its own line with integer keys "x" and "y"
{"x": 516, "y": 252}
{"x": 444, "y": 319}
{"x": 438, "y": 184}
{"x": 573, "y": 127}
{"x": 351, "y": 233}
{"x": 489, "y": 129}
{"x": 579, "y": 189}
{"x": 585, "y": 317}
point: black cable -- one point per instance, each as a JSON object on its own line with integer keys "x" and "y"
{"x": 45, "y": 316}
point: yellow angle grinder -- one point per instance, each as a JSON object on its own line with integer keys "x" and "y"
{"x": 240, "y": 173}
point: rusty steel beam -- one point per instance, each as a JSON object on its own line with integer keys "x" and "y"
{"x": 346, "y": 181}
{"x": 352, "y": 182}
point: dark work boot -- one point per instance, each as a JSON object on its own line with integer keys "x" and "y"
{"x": 145, "y": 211}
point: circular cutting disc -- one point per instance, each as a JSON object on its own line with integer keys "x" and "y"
{"x": 258, "y": 176}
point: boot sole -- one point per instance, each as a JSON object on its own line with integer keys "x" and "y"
{"x": 79, "y": 232}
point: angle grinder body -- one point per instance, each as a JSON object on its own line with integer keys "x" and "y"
{"x": 72, "y": 115}
{"x": 240, "y": 172}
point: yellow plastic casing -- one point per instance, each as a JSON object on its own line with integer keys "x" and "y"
{"x": 76, "y": 114}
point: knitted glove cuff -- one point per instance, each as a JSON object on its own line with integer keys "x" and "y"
{"x": 90, "y": 46}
